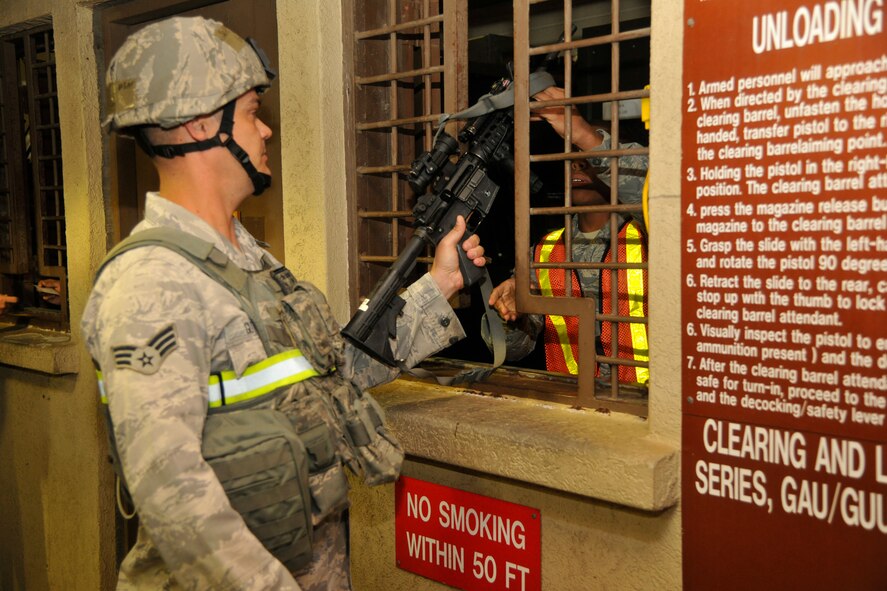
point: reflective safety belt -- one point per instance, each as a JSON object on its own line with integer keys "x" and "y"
{"x": 277, "y": 371}
{"x": 559, "y": 323}
{"x": 634, "y": 253}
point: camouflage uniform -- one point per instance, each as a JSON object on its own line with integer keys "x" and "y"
{"x": 521, "y": 335}
{"x": 189, "y": 536}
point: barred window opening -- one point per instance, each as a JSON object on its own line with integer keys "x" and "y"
{"x": 33, "y": 245}
{"x": 415, "y": 59}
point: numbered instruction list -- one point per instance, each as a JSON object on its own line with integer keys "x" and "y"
{"x": 786, "y": 238}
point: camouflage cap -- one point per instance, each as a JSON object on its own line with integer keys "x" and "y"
{"x": 173, "y": 70}
{"x": 632, "y": 169}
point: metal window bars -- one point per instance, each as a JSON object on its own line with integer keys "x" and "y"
{"x": 31, "y": 161}
{"x": 405, "y": 77}
{"x": 46, "y": 149}
{"x": 410, "y": 64}
{"x": 610, "y": 393}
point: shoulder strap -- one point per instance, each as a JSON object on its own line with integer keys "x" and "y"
{"x": 539, "y": 81}
{"x": 200, "y": 252}
{"x": 203, "y": 255}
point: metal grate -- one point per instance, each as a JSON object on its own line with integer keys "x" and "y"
{"x": 46, "y": 149}
{"x": 14, "y": 245}
{"x": 410, "y": 63}
{"x": 608, "y": 392}
{"x": 404, "y": 78}
{"x": 32, "y": 210}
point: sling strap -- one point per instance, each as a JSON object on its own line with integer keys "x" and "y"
{"x": 539, "y": 81}
{"x": 205, "y": 256}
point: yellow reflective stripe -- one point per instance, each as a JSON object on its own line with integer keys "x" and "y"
{"x": 548, "y": 244}
{"x": 559, "y": 323}
{"x": 283, "y": 369}
{"x": 102, "y": 395}
{"x": 635, "y": 278}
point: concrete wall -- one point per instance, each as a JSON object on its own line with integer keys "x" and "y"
{"x": 609, "y": 513}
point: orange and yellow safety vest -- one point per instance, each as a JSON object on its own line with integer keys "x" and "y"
{"x": 562, "y": 332}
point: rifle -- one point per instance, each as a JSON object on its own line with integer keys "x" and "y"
{"x": 461, "y": 188}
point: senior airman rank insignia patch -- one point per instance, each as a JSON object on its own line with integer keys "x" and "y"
{"x": 146, "y": 359}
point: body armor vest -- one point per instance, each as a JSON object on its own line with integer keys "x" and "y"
{"x": 279, "y": 435}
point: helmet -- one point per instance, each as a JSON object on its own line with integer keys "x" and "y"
{"x": 177, "y": 69}
{"x": 174, "y": 70}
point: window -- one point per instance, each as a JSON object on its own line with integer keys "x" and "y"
{"x": 33, "y": 246}
{"x": 405, "y": 76}
{"x": 413, "y": 60}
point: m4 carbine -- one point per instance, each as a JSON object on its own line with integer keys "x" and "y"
{"x": 461, "y": 188}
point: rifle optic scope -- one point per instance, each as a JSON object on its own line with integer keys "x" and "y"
{"x": 426, "y": 167}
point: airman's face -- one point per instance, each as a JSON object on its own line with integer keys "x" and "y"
{"x": 250, "y": 132}
{"x": 582, "y": 184}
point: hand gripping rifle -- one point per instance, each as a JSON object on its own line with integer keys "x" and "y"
{"x": 461, "y": 188}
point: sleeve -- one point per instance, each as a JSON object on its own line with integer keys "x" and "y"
{"x": 426, "y": 325}
{"x": 521, "y": 335}
{"x": 153, "y": 343}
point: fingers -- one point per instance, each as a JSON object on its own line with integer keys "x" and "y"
{"x": 496, "y": 294}
{"x": 550, "y": 93}
{"x": 551, "y": 114}
{"x": 474, "y": 250}
{"x": 502, "y": 300}
{"x": 508, "y": 314}
{"x": 471, "y": 241}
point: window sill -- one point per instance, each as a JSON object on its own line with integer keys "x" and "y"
{"x": 611, "y": 457}
{"x": 40, "y": 350}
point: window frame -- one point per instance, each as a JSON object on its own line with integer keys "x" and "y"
{"x": 589, "y": 394}
{"x": 588, "y": 391}
{"x": 31, "y": 204}
{"x": 385, "y": 68}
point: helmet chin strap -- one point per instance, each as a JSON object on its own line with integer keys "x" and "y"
{"x": 260, "y": 180}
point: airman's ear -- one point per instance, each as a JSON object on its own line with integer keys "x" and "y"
{"x": 202, "y": 127}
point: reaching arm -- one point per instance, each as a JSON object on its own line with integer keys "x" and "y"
{"x": 583, "y": 134}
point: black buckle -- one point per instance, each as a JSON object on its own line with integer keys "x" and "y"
{"x": 221, "y": 386}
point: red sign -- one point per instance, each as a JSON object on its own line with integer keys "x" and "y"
{"x": 466, "y": 540}
{"x": 768, "y": 508}
{"x": 784, "y": 298}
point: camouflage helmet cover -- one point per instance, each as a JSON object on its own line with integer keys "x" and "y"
{"x": 174, "y": 70}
